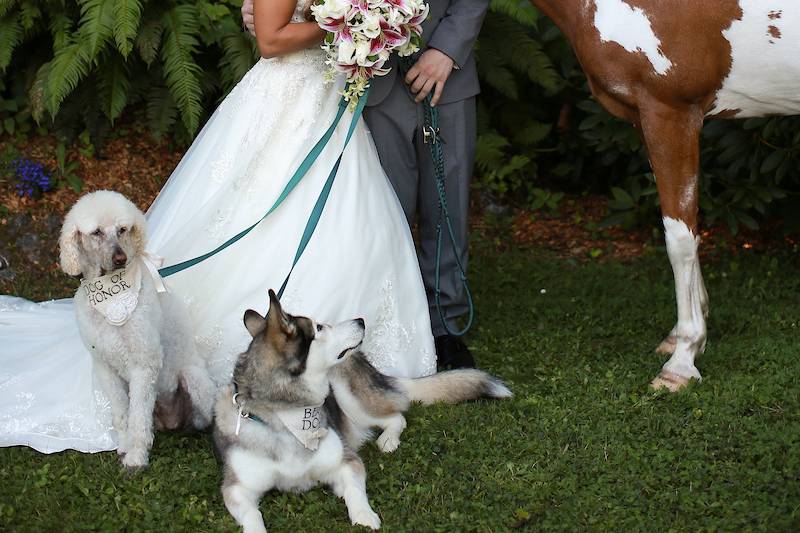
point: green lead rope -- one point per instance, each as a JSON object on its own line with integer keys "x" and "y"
{"x": 299, "y": 174}
{"x": 433, "y": 139}
{"x": 434, "y": 142}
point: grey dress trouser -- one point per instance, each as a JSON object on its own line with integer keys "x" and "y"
{"x": 396, "y": 125}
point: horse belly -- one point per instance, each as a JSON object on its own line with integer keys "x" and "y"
{"x": 765, "y": 61}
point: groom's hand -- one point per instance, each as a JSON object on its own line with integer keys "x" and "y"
{"x": 428, "y": 74}
{"x": 247, "y": 16}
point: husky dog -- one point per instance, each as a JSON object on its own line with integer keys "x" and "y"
{"x": 140, "y": 338}
{"x": 303, "y": 400}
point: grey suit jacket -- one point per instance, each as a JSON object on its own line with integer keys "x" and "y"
{"x": 452, "y": 27}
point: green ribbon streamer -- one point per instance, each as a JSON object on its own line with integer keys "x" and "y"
{"x": 299, "y": 174}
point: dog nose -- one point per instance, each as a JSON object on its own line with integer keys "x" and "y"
{"x": 360, "y": 322}
{"x": 119, "y": 258}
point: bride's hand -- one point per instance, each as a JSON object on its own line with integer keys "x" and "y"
{"x": 430, "y": 73}
{"x": 248, "y": 18}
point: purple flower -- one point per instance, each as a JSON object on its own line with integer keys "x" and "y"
{"x": 32, "y": 178}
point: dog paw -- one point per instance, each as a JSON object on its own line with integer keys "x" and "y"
{"x": 135, "y": 460}
{"x": 122, "y": 444}
{"x": 387, "y": 442}
{"x": 366, "y": 517}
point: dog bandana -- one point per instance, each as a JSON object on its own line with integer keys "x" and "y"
{"x": 115, "y": 295}
{"x": 305, "y": 424}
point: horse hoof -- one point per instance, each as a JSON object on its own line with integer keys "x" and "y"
{"x": 670, "y": 381}
{"x": 667, "y": 346}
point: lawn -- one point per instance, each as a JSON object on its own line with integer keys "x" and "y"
{"x": 584, "y": 445}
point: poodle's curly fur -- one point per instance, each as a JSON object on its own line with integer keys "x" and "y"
{"x": 149, "y": 367}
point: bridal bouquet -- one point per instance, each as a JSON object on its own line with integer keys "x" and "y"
{"x": 363, "y": 33}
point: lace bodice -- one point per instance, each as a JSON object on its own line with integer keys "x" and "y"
{"x": 298, "y": 11}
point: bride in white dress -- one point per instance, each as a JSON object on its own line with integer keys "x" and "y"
{"x": 360, "y": 262}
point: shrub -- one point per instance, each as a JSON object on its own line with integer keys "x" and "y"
{"x": 81, "y": 63}
{"x": 75, "y": 65}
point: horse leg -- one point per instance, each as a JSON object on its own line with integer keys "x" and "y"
{"x": 667, "y": 346}
{"x": 673, "y": 142}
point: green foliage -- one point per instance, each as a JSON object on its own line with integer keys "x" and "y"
{"x": 536, "y": 107}
{"x": 10, "y": 37}
{"x": 81, "y": 63}
{"x": 66, "y": 170}
{"x": 181, "y": 72}
{"x": 77, "y": 65}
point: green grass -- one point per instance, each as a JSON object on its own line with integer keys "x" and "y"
{"x": 584, "y": 445}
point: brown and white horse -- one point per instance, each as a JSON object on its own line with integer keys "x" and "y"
{"x": 666, "y": 66}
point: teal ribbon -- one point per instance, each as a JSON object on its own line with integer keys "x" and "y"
{"x": 296, "y": 178}
{"x": 319, "y": 206}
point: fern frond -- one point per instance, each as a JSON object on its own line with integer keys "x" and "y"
{"x": 10, "y": 37}
{"x": 60, "y": 29}
{"x": 29, "y": 13}
{"x": 149, "y": 40}
{"x": 69, "y": 66}
{"x": 532, "y": 132}
{"x": 181, "y": 72}
{"x": 96, "y": 26}
{"x": 490, "y": 150}
{"x": 6, "y": 6}
{"x": 522, "y": 11}
{"x": 239, "y": 55}
{"x": 36, "y": 95}
{"x": 492, "y": 69}
{"x": 527, "y": 58}
{"x": 161, "y": 111}
{"x": 127, "y": 16}
{"x": 114, "y": 84}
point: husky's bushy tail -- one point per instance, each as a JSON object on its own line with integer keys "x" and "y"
{"x": 454, "y": 386}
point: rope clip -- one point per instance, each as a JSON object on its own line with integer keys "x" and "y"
{"x": 430, "y": 134}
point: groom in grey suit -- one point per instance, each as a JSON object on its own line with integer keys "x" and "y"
{"x": 394, "y": 113}
{"x": 444, "y": 67}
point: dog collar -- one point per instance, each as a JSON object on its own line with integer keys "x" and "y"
{"x": 304, "y": 423}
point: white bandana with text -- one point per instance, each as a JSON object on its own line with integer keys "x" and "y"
{"x": 115, "y": 295}
{"x": 305, "y": 423}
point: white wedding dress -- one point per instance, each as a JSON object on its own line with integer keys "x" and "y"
{"x": 360, "y": 262}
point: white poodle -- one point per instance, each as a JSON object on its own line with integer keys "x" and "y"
{"x": 143, "y": 347}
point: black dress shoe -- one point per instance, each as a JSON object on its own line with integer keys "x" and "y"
{"x": 451, "y": 352}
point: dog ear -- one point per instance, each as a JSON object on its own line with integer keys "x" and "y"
{"x": 277, "y": 317}
{"x": 255, "y": 323}
{"x": 139, "y": 232}
{"x": 70, "y": 254}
